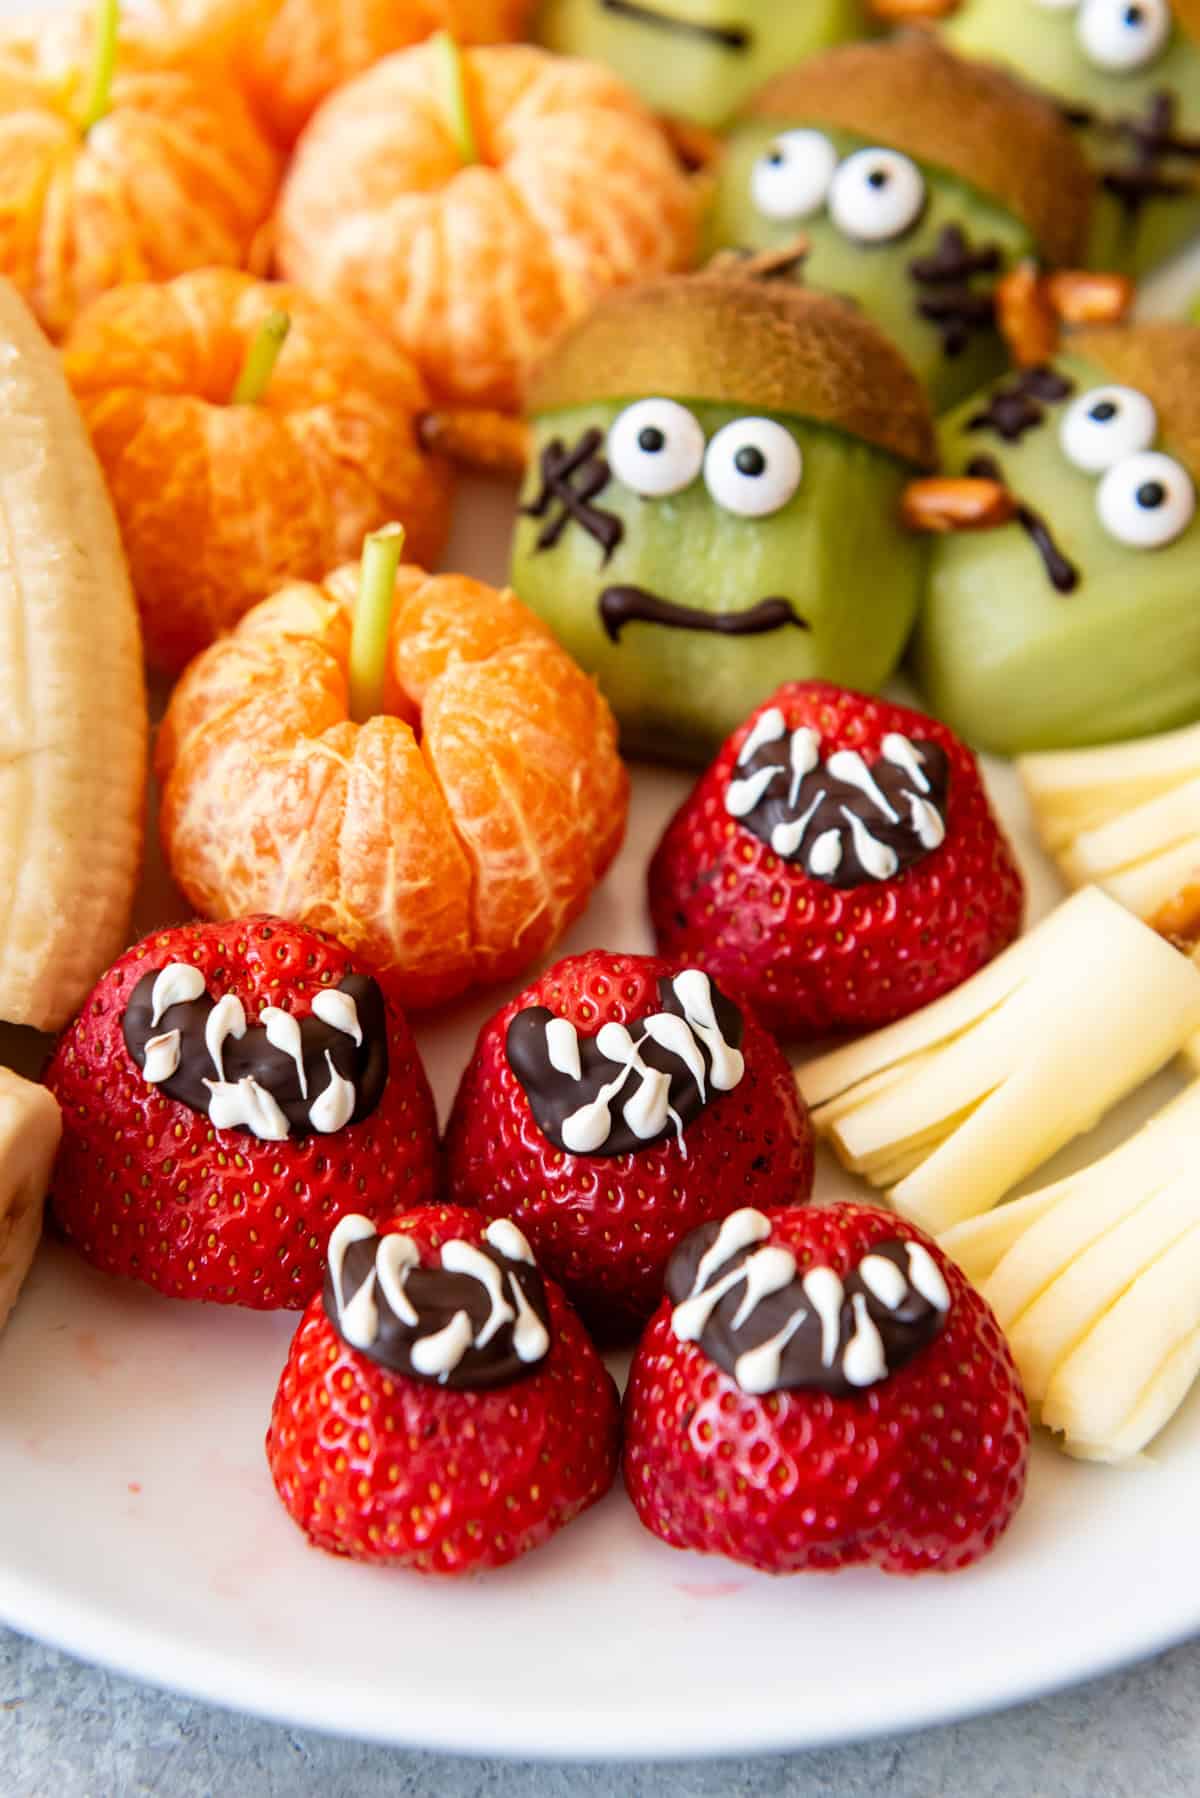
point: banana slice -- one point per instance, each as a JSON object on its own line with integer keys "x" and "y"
{"x": 952, "y": 1108}
{"x": 72, "y": 704}
{"x": 1096, "y": 1282}
{"x": 30, "y": 1126}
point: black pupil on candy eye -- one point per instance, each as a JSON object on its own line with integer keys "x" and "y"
{"x": 776, "y": 158}
{"x": 1134, "y": 16}
{"x": 877, "y": 178}
{"x": 1103, "y": 412}
{"x": 651, "y": 439}
{"x": 1150, "y": 495}
{"x": 749, "y": 460}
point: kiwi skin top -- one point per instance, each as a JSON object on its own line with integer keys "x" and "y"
{"x": 968, "y": 118}
{"x": 1162, "y": 360}
{"x": 767, "y": 345}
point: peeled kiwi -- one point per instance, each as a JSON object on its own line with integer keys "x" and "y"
{"x": 1015, "y": 665}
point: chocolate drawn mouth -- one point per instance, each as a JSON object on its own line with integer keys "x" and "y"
{"x": 729, "y": 37}
{"x": 1061, "y": 573}
{"x": 620, "y": 606}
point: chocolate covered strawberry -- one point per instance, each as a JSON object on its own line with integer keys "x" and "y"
{"x": 610, "y": 1108}
{"x": 823, "y": 1388}
{"x": 838, "y": 865}
{"x": 229, "y": 1091}
{"x": 442, "y": 1407}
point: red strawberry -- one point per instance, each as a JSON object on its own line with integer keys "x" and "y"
{"x": 148, "y": 1185}
{"x": 848, "y": 947}
{"x": 890, "y": 1429}
{"x": 375, "y": 1463}
{"x": 604, "y": 1216}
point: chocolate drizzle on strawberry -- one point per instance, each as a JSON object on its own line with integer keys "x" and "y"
{"x": 773, "y": 1328}
{"x": 842, "y": 820}
{"x": 946, "y": 297}
{"x": 282, "y": 1077}
{"x": 478, "y": 1320}
{"x": 573, "y": 476}
{"x": 1019, "y": 405}
{"x": 631, "y": 1085}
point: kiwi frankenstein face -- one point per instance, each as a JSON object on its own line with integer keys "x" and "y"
{"x": 905, "y": 170}
{"x": 1126, "y": 74}
{"x": 696, "y": 59}
{"x": 694, "y": 539}
{"x": 1076, "y": 622}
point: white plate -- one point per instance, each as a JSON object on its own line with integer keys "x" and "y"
{"x": 139, "y": 1527}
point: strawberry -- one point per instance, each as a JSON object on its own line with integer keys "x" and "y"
{"x": 228, "y": 1092}
{"x": 397, "y": 1440}
{"x": 848, "y": 1400}
{"x": 611, "y": 1107}
{"x": 838, "y": 865}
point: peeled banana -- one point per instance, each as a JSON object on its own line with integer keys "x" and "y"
{"x": 30, "y": 1126}
{"x": 73, "y": 722}
{"x": 953, "y": 1107}
{"x": 1096, "y": 1282}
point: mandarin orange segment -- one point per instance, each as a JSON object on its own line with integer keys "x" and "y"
{"x": 448, "y": 845}
{"x": 516, "y": 742}
{"x": 176, "y": 175}
{"x": 219, "y": 504}
{"x": 475, "y": 269}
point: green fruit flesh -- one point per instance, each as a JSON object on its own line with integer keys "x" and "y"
{"x": 1041, "y": 44}
{"x": 835, "y": 550}
{"x": 681, "y": 71}
{"x": 1014, "y": 665}
{"x": 877, "y": 275}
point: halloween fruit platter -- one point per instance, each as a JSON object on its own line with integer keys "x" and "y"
{"x": 617, "y": 1135}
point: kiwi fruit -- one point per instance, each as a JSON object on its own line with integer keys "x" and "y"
{"x": 1005, "y": 657}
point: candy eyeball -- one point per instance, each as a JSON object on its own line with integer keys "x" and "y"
{"x": 753, "y": 467}
{"x": 1146, "y": 500}
{"x": 1104, "y": 426}
{"x": 656, "y": 447}
{"x": 1123, "y": 35}
{"x": 791, "y": 179}
{"x": 876, "y": 196}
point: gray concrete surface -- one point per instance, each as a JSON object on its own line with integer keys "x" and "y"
{"x": 70, "y": 1731}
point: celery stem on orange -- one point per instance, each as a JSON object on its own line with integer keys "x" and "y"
{"x": 261, "y": 358}
{"x": 373, "y": 620}
{"x": 104, "y": 62}
{"x": 452, "y": 79}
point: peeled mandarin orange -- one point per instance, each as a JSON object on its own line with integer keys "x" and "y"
{"x": 450, "y": 839}
{"x": 475, "y": 266}
{"x": 219, "y": 504}
{"x": 174, "y": 175}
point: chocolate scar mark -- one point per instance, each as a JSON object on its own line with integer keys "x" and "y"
{"x": 957, "y": 309}
{"x": 773, "y": 1328}
{"x": 620, "y": 606}
{"x": 729, "y": 37}
{"x": 1020, "y": 405}
{"x": 1153, "y": 139}
{"x": 571, "y": 479}
{"x": 477, "y": 1321}
{"x": 1064, "y": 576}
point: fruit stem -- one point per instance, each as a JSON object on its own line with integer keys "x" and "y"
{"x": 452, "y": 79}
{"x": 261, "y": 358}
{"x": 104, "y": 63}
{"x": 373, "y": 620}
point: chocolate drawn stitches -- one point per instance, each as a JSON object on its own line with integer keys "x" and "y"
{"x": 479, "y": 1320}
{"x": 285, "y": 1077}
{"x": 630, "y": 1085}
{"x": 845, "y": 822}
{"x": 743, "y": 1300}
